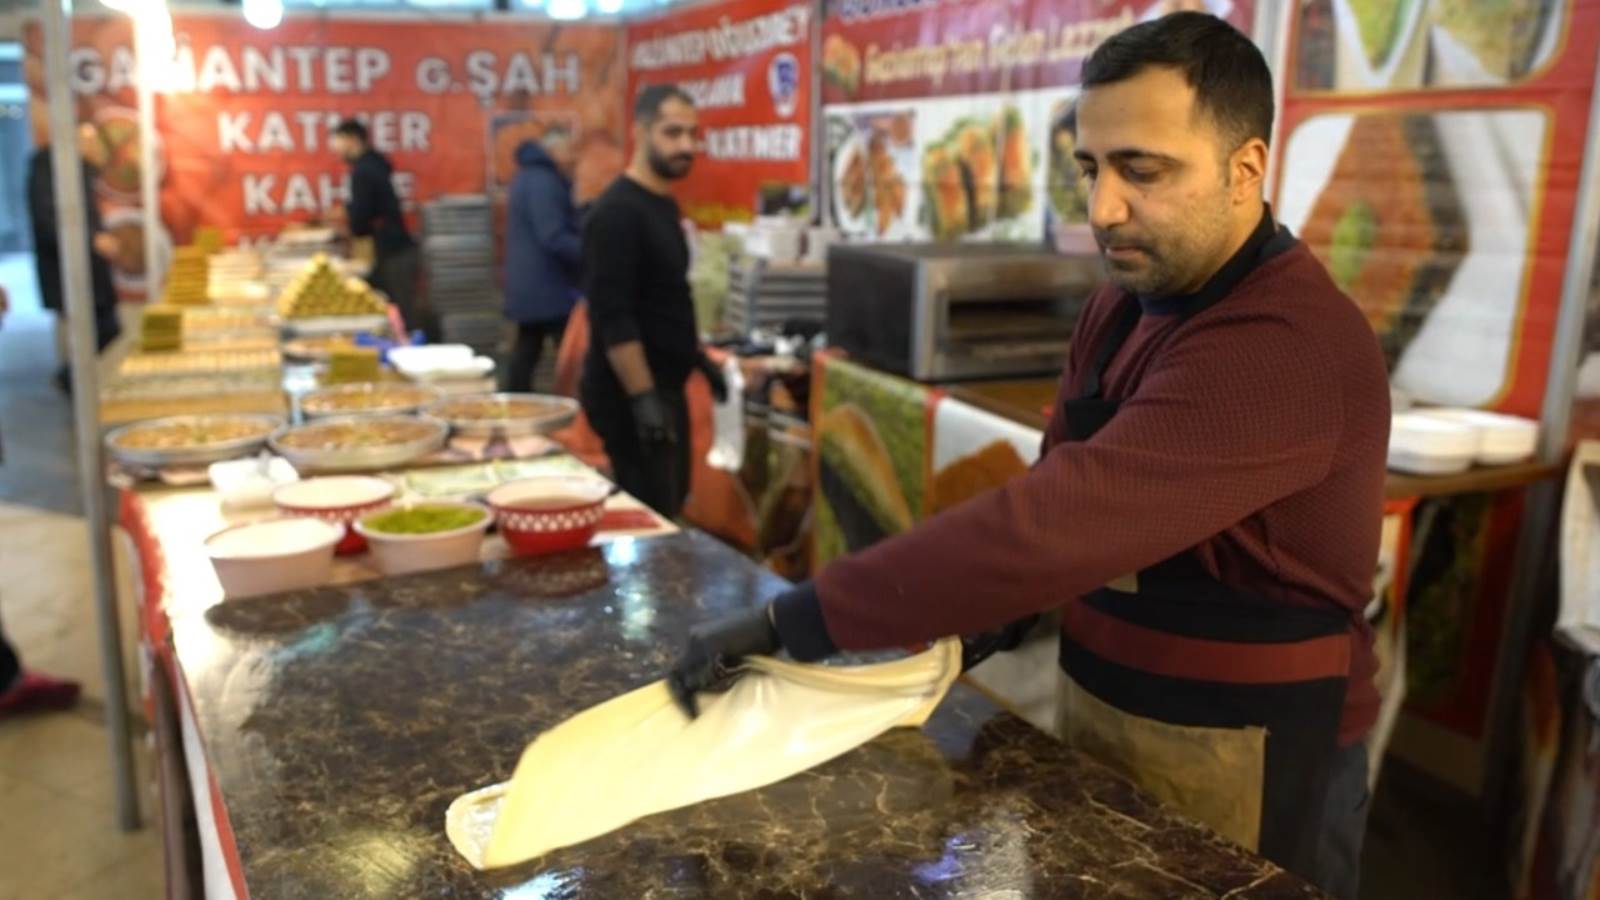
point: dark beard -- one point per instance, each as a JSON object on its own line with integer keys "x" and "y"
{"x": 668, "y": 166}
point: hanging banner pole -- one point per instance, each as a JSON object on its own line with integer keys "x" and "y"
{"x": 78, "y": 300}
{"x": 149, "y": 189}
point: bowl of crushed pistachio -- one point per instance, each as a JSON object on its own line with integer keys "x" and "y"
{"x": 435, "y": 534}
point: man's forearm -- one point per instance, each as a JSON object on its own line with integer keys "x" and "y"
{"x": 633, "y": 370}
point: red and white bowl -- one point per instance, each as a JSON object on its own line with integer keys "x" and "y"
{"x": 549, "y": 514}
{"x": 338, "y": 500}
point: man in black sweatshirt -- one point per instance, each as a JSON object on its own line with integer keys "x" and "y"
{"x": 636, "y": 279}
{"x": 373, "y": 210}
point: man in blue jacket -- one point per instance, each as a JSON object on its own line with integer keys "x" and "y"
{"x": 544, "y": 253}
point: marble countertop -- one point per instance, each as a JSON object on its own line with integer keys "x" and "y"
{"x": 341, "y": 722}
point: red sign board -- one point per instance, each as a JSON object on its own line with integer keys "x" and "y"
{"x": 901, "y": 49}
{"x": 747, "y": 65}
{"x": 244, "y": 118}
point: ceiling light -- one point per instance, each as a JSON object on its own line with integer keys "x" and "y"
{"x": 263, "y": 14}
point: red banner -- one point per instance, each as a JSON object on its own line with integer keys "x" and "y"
{"x": 245, "y": 119}
{"x": 900, "y": 49}
{"x": 747, "y": 64}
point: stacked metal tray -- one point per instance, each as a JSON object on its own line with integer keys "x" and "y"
{"x": 458, "y": 256}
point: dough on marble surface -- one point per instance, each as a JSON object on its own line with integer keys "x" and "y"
{"x": 638, "y": 754}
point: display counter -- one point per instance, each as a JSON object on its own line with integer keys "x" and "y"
{"x": 339, "y": 723}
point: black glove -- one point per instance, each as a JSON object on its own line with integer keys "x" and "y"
{"x": 713, "y": 373}
{"x": 653, "y": 421}
{"x": 711, "y": 661}
{"x": 976, "y": 648}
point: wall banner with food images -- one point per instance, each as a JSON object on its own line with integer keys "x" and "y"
{"x": 872, "y": 438}
{"x": 243, "y": 125}
{"x": 747, "y": 64}
{"x": 943, "y": 120}
{"x": 1429, "y": 156}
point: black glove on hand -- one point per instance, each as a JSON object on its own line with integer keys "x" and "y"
{"x": 710, "y": 663}
{"x": 978, "y": 647}
{"x": 713, "y": 373}
{"x": 652, "y": 421}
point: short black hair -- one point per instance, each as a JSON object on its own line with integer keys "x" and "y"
{"x": 352, "y": 128}
{"x": 1231, "y": 81}
{"x": 647, "y": 106}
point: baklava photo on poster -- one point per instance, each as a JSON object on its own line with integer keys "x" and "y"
{"x": 871, "y": 164}
{"x": 980, "y": 169}
{"x": 1424, "y": 220}
{"x": 1378, "y": 45}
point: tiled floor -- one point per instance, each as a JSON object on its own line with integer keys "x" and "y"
{"x": 58, "y": 830}
{"x": 58, "y": 833}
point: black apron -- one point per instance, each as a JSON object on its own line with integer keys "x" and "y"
{"x": 1222, "y": 704}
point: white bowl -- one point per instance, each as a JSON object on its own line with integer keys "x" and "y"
{"x": 333, "y": 494}
{"x": 272, "y": 556}
{"x": 1502, "y": 439}
{"x": 1423, "y": 445}
{"x": 397, "y": 554}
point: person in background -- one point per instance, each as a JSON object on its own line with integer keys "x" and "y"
{"x": 374, "y": 211}
{"x": 20, "y": 690}
{"x": 544, "y": 251}
{"x": 636, "y": 279}
{"x": 47, "y": 247}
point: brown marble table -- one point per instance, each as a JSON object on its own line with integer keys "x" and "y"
{"x": 339, "y": 723}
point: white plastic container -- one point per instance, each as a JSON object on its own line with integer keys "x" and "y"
{"x": 276, "y": 555}
{"x": 249, "y": 483}
{"x": 1502, "y": 439}
{"x": 440, "y": 362}
{"x": 1423, "y": 445}
{"x": 397, "y": 554}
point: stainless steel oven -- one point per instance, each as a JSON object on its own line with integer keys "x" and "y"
{"x": 947, "y": 312}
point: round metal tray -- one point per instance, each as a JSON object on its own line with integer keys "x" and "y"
{"x": 196, "y": 455}
{"x": 562, "y": 411}
{"x": 360, "y": 459}
{"x": 429, "y": 396}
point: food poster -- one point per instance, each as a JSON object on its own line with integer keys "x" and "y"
{"x": 871, "y": 435}
{"x": 1455, "y": 609}
{"x": 949, "y": 169}
{"x": 1429, "y": 155}
{"x": 975, "y": 451}
{"x": 1425, "y": 219}
{"x": 944, "y": 122}
{"x": 244, "y": 116}
{"x": 1400, "y": 45}
{"x": 747, "y": 64}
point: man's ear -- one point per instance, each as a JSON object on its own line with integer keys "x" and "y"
{"x": 1247, "y": 170}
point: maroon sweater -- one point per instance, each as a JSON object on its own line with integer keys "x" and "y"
{"x": 1254, "y": 432}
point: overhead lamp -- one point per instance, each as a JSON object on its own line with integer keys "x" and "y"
{"x": 567, "y": 10}
{"x": 608, "y": 7}
{"x": 263, "y": 14}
